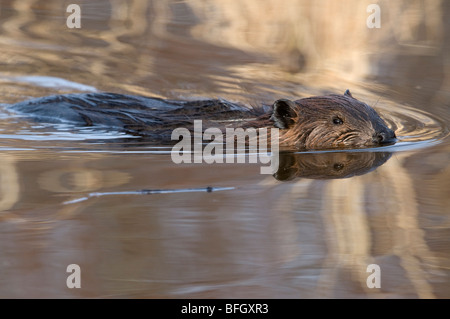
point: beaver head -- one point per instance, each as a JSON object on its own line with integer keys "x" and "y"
{"x": 332, "y": 121}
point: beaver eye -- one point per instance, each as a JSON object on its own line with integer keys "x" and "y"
{"x": 337, "y": 120}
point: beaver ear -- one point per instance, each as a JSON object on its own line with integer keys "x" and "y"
{"x": 347, "y": 92}
{"x": 283, "y": 113}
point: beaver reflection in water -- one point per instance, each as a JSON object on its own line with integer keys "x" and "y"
{"x": 321, "y": 122}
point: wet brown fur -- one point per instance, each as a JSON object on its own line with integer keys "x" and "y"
{"x": 326, "y": 122}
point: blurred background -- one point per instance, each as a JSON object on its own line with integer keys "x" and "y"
{"x": 303, "y": 238}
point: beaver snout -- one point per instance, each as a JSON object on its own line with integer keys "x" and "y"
{"x": 387, "y": 137}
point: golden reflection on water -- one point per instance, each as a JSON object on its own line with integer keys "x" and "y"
{"x": 207, "y": 245}
{"x": 306, "y": 237}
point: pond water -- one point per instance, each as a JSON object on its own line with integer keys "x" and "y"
{"x": 79, "y": 195}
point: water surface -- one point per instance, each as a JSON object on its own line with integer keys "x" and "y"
{"x": 73, "y": 195}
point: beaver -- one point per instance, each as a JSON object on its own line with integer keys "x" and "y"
{"x": 320, "y": 122}
{"x": 333, "y": 121}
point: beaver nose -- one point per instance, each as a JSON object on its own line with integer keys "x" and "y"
{"x": 384, "y": 137}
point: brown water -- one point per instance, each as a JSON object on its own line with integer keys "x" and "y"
{"x": 309, "y": 231}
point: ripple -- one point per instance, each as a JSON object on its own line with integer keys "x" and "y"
{"x": 414, "y": 128}
{"x": 50, "y": 82}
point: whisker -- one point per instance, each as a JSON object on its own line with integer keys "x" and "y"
{"x": 377, "y": 101}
